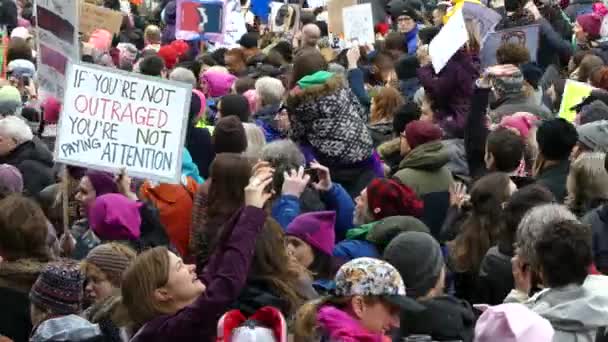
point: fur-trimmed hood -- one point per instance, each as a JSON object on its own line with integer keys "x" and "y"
{"x": 299, "y": 96}
{"x": 20, "y": 275}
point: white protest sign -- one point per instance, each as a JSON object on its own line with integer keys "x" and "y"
{"x": 113, "y": 119}
{"x": 358, "y": 24}
{"x": 448, "y": 41}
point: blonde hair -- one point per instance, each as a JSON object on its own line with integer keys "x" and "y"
{"x": 255, "y": 140}
{"x": 152, "y": 34}
{"x": 148, "y": 272}
{"x": 587, "y": 181}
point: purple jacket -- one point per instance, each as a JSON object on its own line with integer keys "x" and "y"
{"x": 224, "y": 276}
{"x": 451, "y": 91}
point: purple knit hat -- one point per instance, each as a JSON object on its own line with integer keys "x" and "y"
{"x": 315, "y": 228}
{"x": 59, "y": 288}
{"x": 11, "y": 178}
{"x": 114, "y": 217}
{"x": 103, "y": 182}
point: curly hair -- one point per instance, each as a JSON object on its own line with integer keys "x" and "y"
{"x": 512, "y": 53}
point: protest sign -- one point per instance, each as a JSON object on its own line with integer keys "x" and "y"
{"x": 284, "y": 17}
{"x": 448, "y": 41}
{"x": 485, "y": 18}
{"x": 200, "y": 18}
{"x": 334, "y": 9}
{"x": 359, "y": 24}
{"x": 235, "y": 24}
{"x": 57, "y": 43}
{"x": 95, "y": 17}
{"x": 113, "y": 119}
{"x": 574, "y": 93}
{"x": 523, "y": 35}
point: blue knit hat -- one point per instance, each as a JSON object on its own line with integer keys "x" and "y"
{"x": 59, "y": 288}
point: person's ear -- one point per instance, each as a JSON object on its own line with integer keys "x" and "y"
{"x": 358, "y": 306}
{"x": 162, "y": 295}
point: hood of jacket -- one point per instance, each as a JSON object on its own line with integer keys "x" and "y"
{"x": 445, "y": 318}
{"x": 20, "y": 275}
{"x": 189, "y": 169}
{"x": 573, "y": 308}
{"x": 314, "y": 87}
{"x": 66, "y": 328}
{"x": 340, "y": 326}
{"x": 30, "y": 150}
{"x": 429, "y": 156}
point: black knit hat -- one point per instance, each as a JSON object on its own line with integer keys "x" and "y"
{"x": 249, "y": 40}
{"x": 229, "y": 136}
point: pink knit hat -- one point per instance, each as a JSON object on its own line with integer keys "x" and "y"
{"x": 512, "y": 323}
{"x": 316, "y": 229}
{"x": 203, "y": 99}
{"x": 51, "y": 108}
{"x": 520, "y": 122}
{"x": 218, "y": 83}
{"x": 101, "y": 40}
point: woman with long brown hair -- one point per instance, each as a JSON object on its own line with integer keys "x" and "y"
{"x": 479, "y": 231}
{"x": 216, "y": 201}
{"x": 168, "y": 301}
{"x": 274, "y": 278}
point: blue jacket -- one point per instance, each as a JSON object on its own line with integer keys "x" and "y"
{"x": 352, "y": 249}
{"x": 287, "y": 208}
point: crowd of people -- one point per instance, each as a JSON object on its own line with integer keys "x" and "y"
{"x": 327, "y": 194}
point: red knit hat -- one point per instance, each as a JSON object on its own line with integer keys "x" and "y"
{"x": 592, "y": 22}
{"x": 381, "y": 28}
{"x": 420, "y": 132}
{"x": 389, "y": 197}
{"x": 169, "y": 56}
{"x": 266, "y": 324}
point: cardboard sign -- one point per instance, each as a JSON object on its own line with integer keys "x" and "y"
{"x": 112, "y": 119}
{"x": 450, "y": 39}
{"x": 523, "y": 35}
{"x": 57, "y": 43}
{"x": 334, "y": 8}
{"x": 95, "y": 17}
{"x": 574, "y": 93}
{"x": 359, "y": 24}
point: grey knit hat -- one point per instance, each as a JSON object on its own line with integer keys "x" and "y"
{"x": 594, "y": 135}
{"x": 418, "y": 258}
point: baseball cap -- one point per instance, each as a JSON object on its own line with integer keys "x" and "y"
{"x": 374, "y": 277}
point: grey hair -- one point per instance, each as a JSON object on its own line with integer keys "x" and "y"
{"x": 283, "y": 153}
{"x": 532, "y": 225}
{"x": 270, "y": 90}
{"x": 184, "y": 75}
{"x": 13, "y": 127}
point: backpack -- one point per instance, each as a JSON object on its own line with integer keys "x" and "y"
{"x": 174, "y": 203}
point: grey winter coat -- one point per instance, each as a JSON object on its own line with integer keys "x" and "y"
{"x": 575, "y": 312}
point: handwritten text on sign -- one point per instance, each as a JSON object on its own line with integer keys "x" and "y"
{"x": 112, "y": 120}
